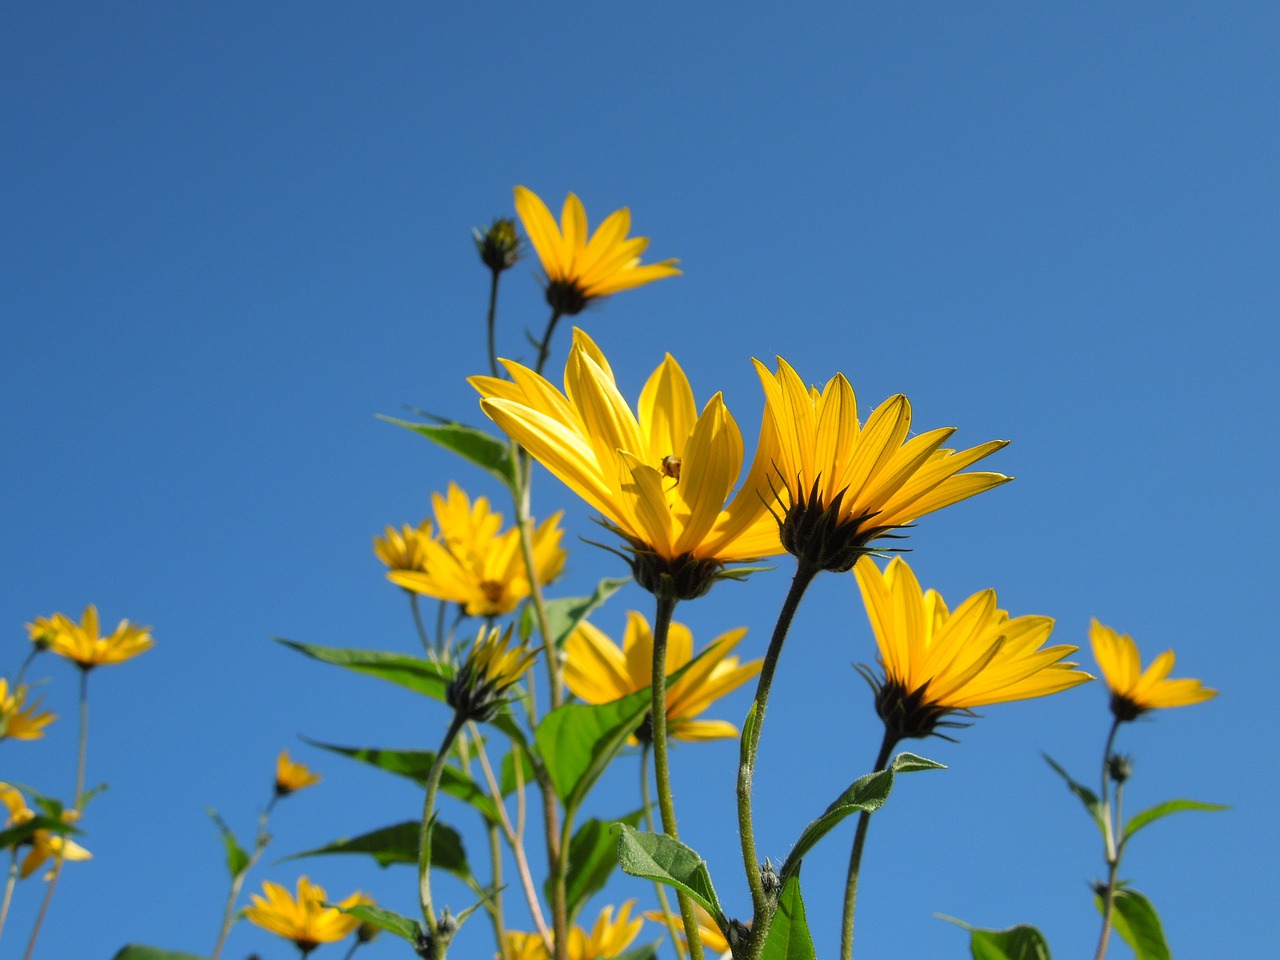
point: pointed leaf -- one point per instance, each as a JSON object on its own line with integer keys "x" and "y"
{"x": 388, "y": 920}
{"x": 1022, "y": 942}
{"x": 1137, "y": 922}
{"x": 646, "y": 952}
{"x": 658, "y": 857}
{"x": 416, "y": 673}
{"x": 577, "y": 740}
{"x": 482, "y": 449}
{"x": 564, "y": 614}
{"x": 789, "y": 937}
{"x": 867, "y": 793}
{"x": 22, "y": 832}
{"x": 135, "y": 951}
{"x": 1087, "y": 796}
{"x": 1151, "y": 814}
{"x": 237, "y": 859}
{"x": 592, "y": 857}
{"x": 399, "y": 844}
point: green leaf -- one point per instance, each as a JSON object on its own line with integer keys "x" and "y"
{"x": 867, "y": 793}
{"x": 789, "y": 933}
{"x": 24, "y": 831}
{"x": 385, "y": 920}
{"x": 482, "y": 449}
{"x": 1151, "y": 814}
{"x": 136, "y": 951}
{"x": 663, "y": 859}
{"x": 1022, "y": 942}
{"x": 415, "y": 764}
{"x": 646, "y": 952}
{"x": 748, "y": 734}
{"x": 399, "y": 844}
{"x": 507, "y": 780}
{"x": 1137, "y": 922}
{"x": 416, "y": 673}
{"x": 578, "y": 740}
{"x": 237, "y": 859}
{"x": 564, "y": 614}
{"x": 1087, "y": 796}
{"x": 592, "y": 857}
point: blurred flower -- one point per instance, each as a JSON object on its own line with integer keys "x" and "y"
{"x": 712, "y": 939}
{"x": 937, "y": 662}
{"x": 661, "y": 480}
{"x": 472, "y": 564}
{"x": 303, "y": 919}
{"x": 402, "y": 549}
{"x": 491, "y": 667}
{"x": 839, "y": 484}
{"x": 82, "y": 643}
{"x": 18, "y": 721}
{"x": 598, "y": 672}
{"x": 579, "y": 269}
{"x": 45, "y": 844}
{"x": 608, "y": 938}
{"x": 291, "y": 776}
{"x": 498, "y": 246}
{"x": 1133, "y": 690}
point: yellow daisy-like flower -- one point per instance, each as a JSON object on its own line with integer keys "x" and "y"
{"x": 839, "y": 483}
{"x": 303, "y": 919}
{"x": 17, "y": 720}
{"x": 661, "y": 478}
{"x": 292, "y": 776}
{"x": 1134, "y": 691}
{"x": 937, "y": 662}
{"x": 402, "y": 549}
{"x": 598, "y": 672}
{"x": 471, "y": 563}
{"x": 491, "y": 668}
{"x": 82, "y": 642}
{"x": 45, "y": 844}
{"x": 713, "y": 940}
{"x": 609, "y": 938}
{"x": 579, "y": 269}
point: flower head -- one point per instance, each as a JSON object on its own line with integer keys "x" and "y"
{"x": 598, "y": 672}
{"x": 937, "y": 662}
{"x": 579, "y": 269}
{"x": 471, "y": 563}
{"x": 291, "y": 777}
{"x": 490, "y": 669}
{"x": 403, "y": 549}
{"x": 1134, "y": 691}
{"x": 303, "y": 919}
{"x": 661, "y": 478}
{"x": 609, "y": 938}
{"x": 82, "y": 642}
{"x": 45, "y": 844}
{"x": 840, "y": 484}
{"x": 17, "y": 720}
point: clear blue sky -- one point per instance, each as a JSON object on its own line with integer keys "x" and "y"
{"x": 231, "y": 233}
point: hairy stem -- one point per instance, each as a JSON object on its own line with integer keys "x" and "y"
{"x": 647, "y": 803}
{"x": 428, "y": 822}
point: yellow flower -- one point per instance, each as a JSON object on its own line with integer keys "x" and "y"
{"x": 18, "y": 721}
{"x": 579, "y": 269}
{"x": 303, "y": 919}
{"x": 472, "y": 564}
{"x": 1134, "y": 691}
{"x": 598, "y": 672}
{"x": 840, "y": 484}
{"x": 82, "y": 642}
{"x": 402, "y": 549}
{"x": 937, "y": 662}
{"x": 713, "y": 940}
{"x": 661, "y": 479}
{"x": 45, "y": 844}
{"x": 491, "y": 668}
{"x": 609, "y": 938}
{"x": 292, "y": 776}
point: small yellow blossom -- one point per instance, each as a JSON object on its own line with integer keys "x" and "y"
{"x": 82, "y": 642}
{"x": 17, "y": 720}
{"x": 45, "y": 844}
{"x": 1134, "y": 691}
{"x": 579, "y": 269}
{"x": 402, "y": 549}
{"x": 609, "y": 938}
{"x": 713, "y": 941}
{"x": 303, "y": 919}
{"x": 490, "y": 669}
{"x": 292, "y": 776}
{"x": 598, "y": 671}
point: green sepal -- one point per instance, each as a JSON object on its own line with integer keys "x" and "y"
{"x": 664, "y": 859}
{"x": 136, "y": 951}
{"x": 1023, "y": 942}
{"x": 387, "y": 920}
{"x": 1085, "y": 795}
{"x": 484, "y": 450}
{"x": 1151, "y": 814}
{"x": 399, "y": 844}
{"x": 237, "y": 859}
{"x": 789, "y": 937}
{"x": 867, "y": 793}
{"x": 592, "y": 857}
{"x": 1138, "y": 924}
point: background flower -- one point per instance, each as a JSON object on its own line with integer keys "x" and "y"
{"x": 1134, "y": 691}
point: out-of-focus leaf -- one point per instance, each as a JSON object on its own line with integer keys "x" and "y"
{"x": 386, "y": 920}
{"x": 1151, "y": 814}
{"x": 789, "y": 937}
{"x": 415, "y": 673}
{"x": 485, "y": 451}
{"x": 23, "y": 832}
{"x": 1138, "y": 924}
{"x": 564, "y": 614}
{"x": 1023, "y": 942}
{"x": 237, "y": 859}
{"x": 1085, "y": 795}
{"x": 135, "y": 951}
{"x": 507, "y": 781}
{"x": 658, "y": 857}
{"x": 592, "y": 857}
{"x": 646, "y": 952}
{"x": 399, "y": 844}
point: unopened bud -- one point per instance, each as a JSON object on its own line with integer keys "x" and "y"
{"x": 1119, "y": 767}
{"x": 498, "y": 246}
{"x": 770, "y": 880}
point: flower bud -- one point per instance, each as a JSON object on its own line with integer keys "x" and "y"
{"x": 498, "y": 246}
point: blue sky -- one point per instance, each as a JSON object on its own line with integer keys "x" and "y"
{"x": 231, "y": 234}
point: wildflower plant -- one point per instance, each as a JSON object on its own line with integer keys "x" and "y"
{"x": 533, "y": 701}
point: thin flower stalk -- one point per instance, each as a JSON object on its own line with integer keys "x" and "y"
{"x": 855, "y": 856}
{"x": 428, "y": 822}
{"x": 646, "y": 802}
{"x": 237, "y": 882}
{"x": 1110, "y": 828}
{"x": 10, "y": 882}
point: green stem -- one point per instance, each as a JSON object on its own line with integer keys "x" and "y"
{"x": 237, "y": 882}
{"x": 494, "y": 905}
{"x": 428, "y": 822}
{"x": 490, "y": 322}
{"x": 8, "y": 888}
{"x": 422, "y": 630}
{"x": 22, "y": 671}
{"x": 352, "y": 952}
{"x": 855, "y": 856}
{"x": 647, "y": 803}
{"x": 544, "y": 348}
{"x": 658, "y": 720}
{"x": 1110, "y": 830}
{"x": 763, "y": 906}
